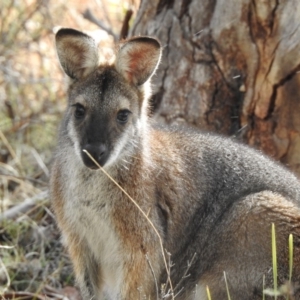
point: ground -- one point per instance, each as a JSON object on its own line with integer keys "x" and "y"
{"x": 33, "y": 262}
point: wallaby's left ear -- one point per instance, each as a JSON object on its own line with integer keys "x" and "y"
{"x": 138, "y": 58}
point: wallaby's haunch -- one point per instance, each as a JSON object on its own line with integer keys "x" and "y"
{"x": 211, "y": 200}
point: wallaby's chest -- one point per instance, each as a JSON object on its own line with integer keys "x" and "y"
{"x": 88, "y": 207}
{"x": 88, "y": 203}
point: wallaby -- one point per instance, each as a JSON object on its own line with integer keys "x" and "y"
{"x": 211, "y": 200}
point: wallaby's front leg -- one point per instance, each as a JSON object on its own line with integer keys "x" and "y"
{"x": 142, "y": 274}
{"x": 87, "y": 270}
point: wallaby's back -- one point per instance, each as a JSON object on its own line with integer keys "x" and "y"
{"x": 211, "y": 200}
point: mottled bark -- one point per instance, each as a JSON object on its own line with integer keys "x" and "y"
{"x": 231, "y": 67}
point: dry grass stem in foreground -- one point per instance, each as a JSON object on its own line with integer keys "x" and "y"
{"x": 144, "y": 214}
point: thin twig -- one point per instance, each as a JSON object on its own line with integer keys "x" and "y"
{"x": 169, "y": 272}
{"x": 10, "y": 110}
{"x": 6, "y": 275}
{"x": 179, "y": 292}
{"x": 106, "y": 13}
{"x": 40, "y": 161}
{"x": 143, "y": 213}
{"x": 23, "y": 178}
{"x": 227, "y": 288}
{"x": 185, "y": 275}
{"x": 152, "y": 271}
{"x": 87, "y": 14}
{"x": 10, "y": 149}
{"x": 6, "y": 247}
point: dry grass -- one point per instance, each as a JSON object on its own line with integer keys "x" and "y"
{"x": 32, "y": 99}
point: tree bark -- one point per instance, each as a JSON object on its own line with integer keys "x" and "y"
{"x": 231, "y": 67}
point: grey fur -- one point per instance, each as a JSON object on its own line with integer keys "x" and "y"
{"x": 211, "y": 199}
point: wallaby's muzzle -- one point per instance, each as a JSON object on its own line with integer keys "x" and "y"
{"x": 98, "y": 151}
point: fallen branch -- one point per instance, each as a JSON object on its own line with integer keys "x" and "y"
{"x": 22, "y": 295}
{"x": 87, "y": 14}
{"x": 24, "y": 207}
{"x": 48, "y": 292}
{"x": 125, "y": 26}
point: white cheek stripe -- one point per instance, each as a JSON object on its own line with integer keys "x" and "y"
{"x": 73, "y": 136}
{"x": 113, "y": 157}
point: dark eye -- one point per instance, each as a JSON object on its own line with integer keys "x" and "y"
{"x": 79, "y": 111}
{"x": 122, "y": 116}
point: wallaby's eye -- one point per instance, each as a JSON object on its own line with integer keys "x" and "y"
{"x": 79, "y": 111}
{"x": 122, "y": 116}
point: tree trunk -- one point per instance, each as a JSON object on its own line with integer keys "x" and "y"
{"x": 231, "y": 67}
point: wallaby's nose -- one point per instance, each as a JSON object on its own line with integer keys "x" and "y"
{"x": 98, "y": 151}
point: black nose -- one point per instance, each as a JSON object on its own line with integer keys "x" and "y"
{"x": 98, "y": 151}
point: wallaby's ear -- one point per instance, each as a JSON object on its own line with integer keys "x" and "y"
{"x": 138, "y": 58}
{"x": 77, "y": 52}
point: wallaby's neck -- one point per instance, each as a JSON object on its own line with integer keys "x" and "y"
{"x": 137, "y": 156}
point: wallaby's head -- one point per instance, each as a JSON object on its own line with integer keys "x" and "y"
{"x": 107, "y": 105}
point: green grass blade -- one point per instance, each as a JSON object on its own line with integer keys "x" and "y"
{"x": 291, "y": 257}
{"x": 208, "y": 293}
{"x": 263, "y": 287}
{"x": 274, "y": 259}
{"x": 227, "y": 289}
